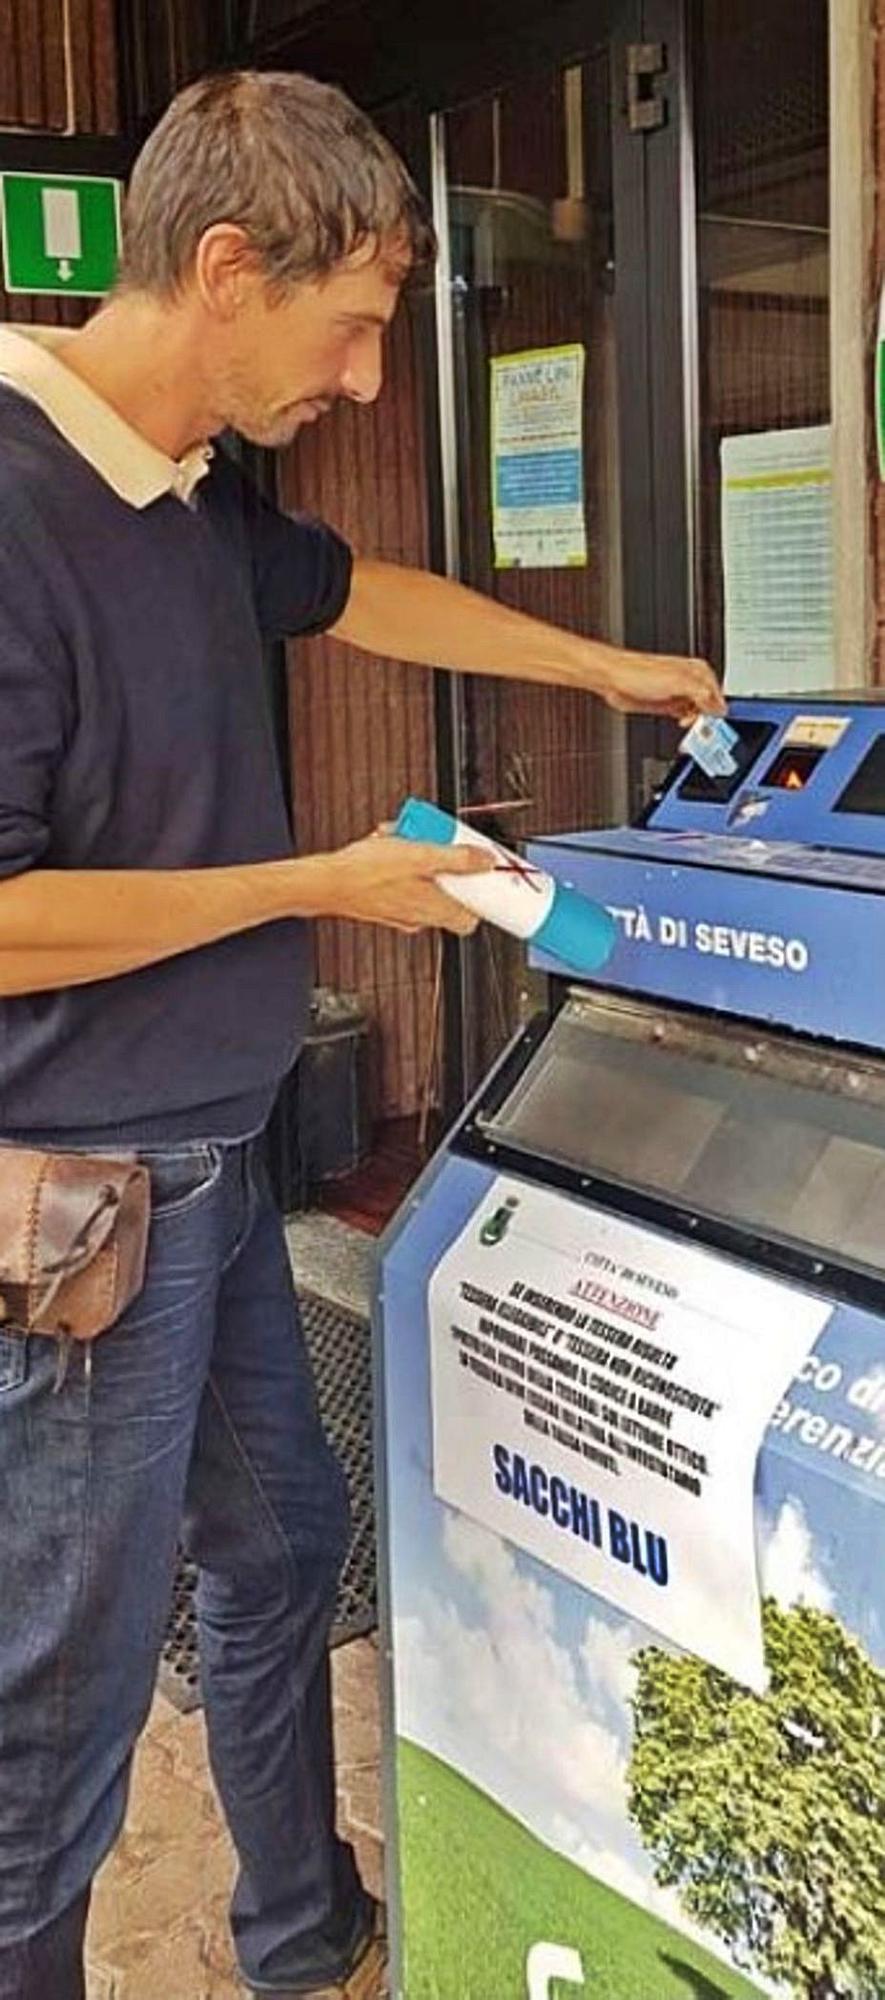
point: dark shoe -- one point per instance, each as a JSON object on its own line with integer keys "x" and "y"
{"x": 368, "y": 1978}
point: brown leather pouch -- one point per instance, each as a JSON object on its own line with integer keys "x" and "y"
{"x": 73, "y": 1240}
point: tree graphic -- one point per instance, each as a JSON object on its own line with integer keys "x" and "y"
{"x": 767, "y": 1813}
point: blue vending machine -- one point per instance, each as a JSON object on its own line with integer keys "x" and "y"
{"x": 630, "y": 1340}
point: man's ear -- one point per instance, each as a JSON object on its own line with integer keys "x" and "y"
{"x": 226, "y": 269}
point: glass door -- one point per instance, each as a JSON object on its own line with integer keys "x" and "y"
{"x": 761, "y": 88}
{"x": 528, "y": 271}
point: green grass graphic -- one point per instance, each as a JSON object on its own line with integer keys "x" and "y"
{"x": 479, "y": 1889}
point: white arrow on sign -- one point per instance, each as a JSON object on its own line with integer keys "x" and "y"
{"x": 61, "y": 228}
{"x": 547, "y": 1962}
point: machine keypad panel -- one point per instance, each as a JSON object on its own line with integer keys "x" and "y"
{"x": 805, "y": 772}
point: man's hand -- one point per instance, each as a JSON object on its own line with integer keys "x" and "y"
{"x": 384, "y": 880}
{"x": 657, "y": 684}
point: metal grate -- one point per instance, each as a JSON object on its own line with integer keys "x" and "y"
{"x": 340, "y": 1349}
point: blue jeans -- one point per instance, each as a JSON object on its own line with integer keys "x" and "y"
{"x": 193, "y": 1420}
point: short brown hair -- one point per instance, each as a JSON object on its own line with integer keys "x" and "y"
{"x": 291, "y": 161}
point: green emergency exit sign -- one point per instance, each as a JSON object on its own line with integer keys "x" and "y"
{"x": 61, "y": 234}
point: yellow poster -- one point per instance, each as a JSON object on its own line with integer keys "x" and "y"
{"x": 537, "y": 454}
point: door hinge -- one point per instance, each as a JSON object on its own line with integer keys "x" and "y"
{"x": 646, "y": 69}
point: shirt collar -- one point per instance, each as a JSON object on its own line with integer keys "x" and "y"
{"x": 31, "y": 362}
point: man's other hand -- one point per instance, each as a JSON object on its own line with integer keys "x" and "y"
{"x": 386, "y": 880}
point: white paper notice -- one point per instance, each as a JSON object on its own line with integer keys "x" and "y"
{"x": 777, "y": 559}
{"x": 537, "y": 401}
{"x": 600, "y": 1394}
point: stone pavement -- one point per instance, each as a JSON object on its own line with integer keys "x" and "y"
{"x": 158, "y": 1929}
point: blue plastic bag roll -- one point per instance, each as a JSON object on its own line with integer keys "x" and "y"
{"x": 519, "y": 898}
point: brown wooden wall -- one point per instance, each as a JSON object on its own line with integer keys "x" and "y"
{"x": 169, "y": 42}
{"x": 362, "y": 730}
{"x": 58, "y": 65}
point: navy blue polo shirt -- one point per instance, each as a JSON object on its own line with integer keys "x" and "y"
{"x": 136, "y": 732}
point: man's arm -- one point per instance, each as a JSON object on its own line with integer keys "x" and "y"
{"x": 60, "y": 928}
{"x": 408, "y": 614}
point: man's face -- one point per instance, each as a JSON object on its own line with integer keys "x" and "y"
{"x": 286, "y": 361}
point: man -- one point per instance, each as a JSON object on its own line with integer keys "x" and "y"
{"x": 154, "y": 972}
